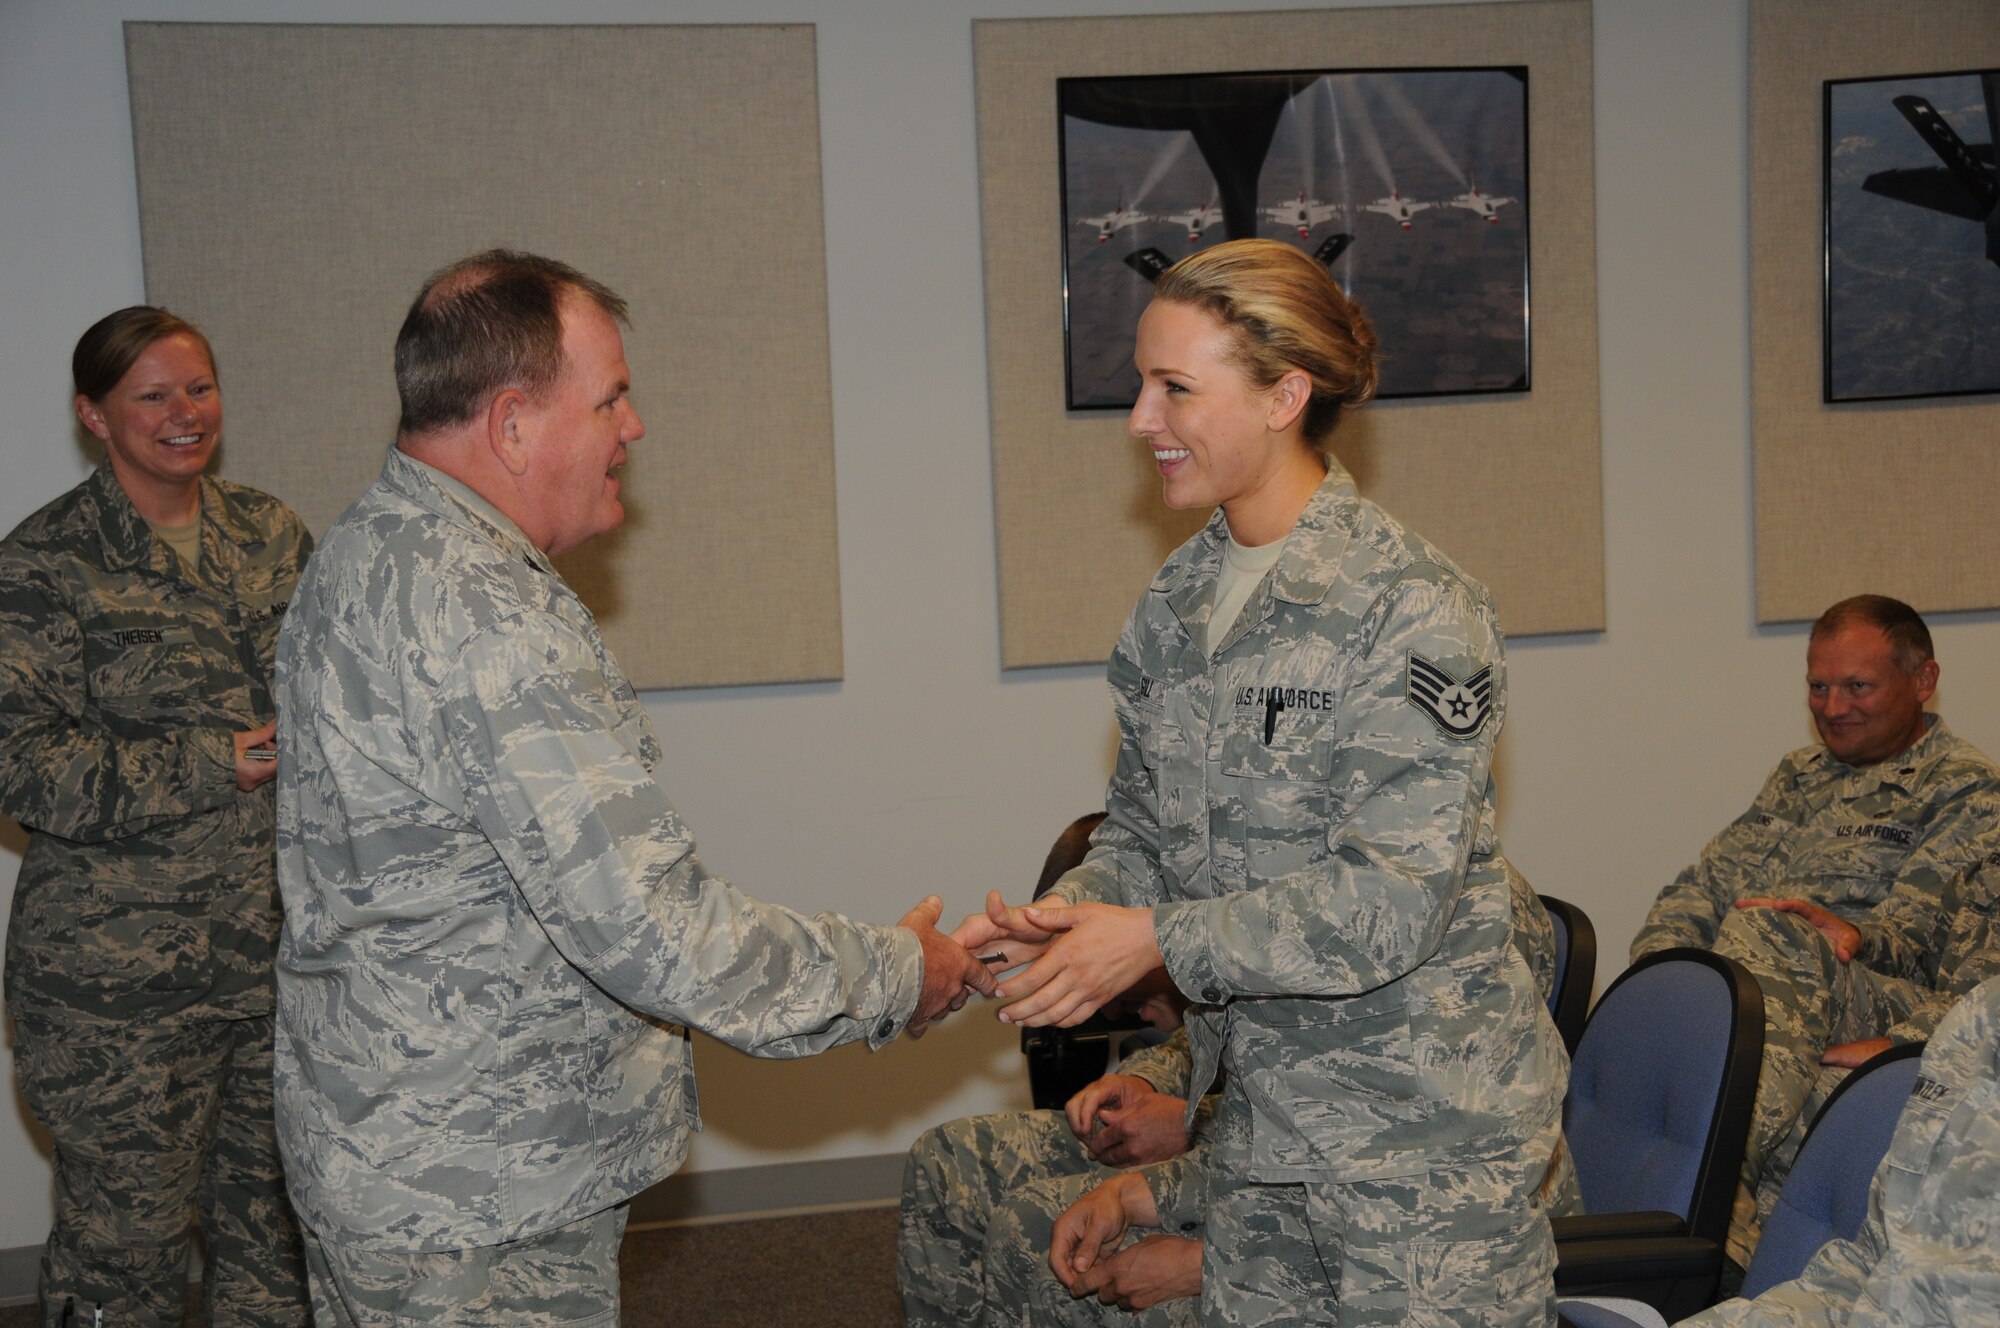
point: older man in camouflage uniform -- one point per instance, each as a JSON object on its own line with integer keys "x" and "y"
{"x": 496, "y": 925}
{"x": 1832, "y": 888}
{"x": 1927, "y": 1253}
{"x": 139, "y": 953}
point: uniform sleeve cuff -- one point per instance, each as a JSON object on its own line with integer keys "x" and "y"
{"x": 902, "y": 984}
{"x": 1179, "y": 1187}
{"x": 1182, "y": 930}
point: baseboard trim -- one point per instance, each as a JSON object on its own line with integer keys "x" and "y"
{"x": 784, "y": 1189}
{"x": 737, "y": 1194}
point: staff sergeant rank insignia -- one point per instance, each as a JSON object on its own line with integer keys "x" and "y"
{"x": 1457, "y": 708}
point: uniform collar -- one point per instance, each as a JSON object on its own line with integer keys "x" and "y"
{"x": 129, "y": 540}
{"x": 1304, "y": 572}
{"x": 1906, "y": 772}
{"x": 456, "y": 502}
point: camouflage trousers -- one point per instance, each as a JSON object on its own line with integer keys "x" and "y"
{"x": 1462, "y": 1248}
{"x": 1811, "y": 1001}
{"x": 154, "y": 1129}
{"x": 565, "y": 1276}
{"x": 980, "y": 1196}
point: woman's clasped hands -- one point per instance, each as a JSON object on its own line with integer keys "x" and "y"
{"x": 1077, "y": 957}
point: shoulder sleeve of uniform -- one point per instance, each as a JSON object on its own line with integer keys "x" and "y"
{"x": 552, "y": 752}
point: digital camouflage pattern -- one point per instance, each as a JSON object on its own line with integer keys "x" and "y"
{"x": 984, "y": 1192}
{"x": 1887, "y": 847}
{"x": 139, "y": 952}
{"x": 154, "y": 1126}
{"x": 1317, "y": 841}
{"x": 1928, "y": 1252}
{"x": 1456, "y": 1247}
{"x": 568, "y": 1276}
{"x": 146, "y": 891}
{"x": 496, "y": 925}
{"x": 959, "y": 1174}
{"x": 1878, "y": 845}
{"x": 1971, "y": 956}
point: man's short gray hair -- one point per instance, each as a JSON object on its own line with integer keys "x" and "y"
{"x": 486, "y": 323}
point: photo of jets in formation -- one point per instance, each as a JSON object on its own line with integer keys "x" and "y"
{"x": 1479, "y": 204}
{"x": 1409, "y": 186}
{"x": 1117, "y": 219}
{"x": 1299, "y": 212}
{"x": 1302, "y": 212}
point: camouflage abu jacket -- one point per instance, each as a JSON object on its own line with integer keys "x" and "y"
{"x": 147, "y": 890}
{"x": 1970, "y": 956}
{"x": 496, "y": 925}
{"x": 1310, "y": 815}
{"x": 1880, "y": 845}
{"x": 1926, "y": 1253}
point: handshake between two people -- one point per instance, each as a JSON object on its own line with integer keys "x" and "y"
{"x": 1077, "y": 957}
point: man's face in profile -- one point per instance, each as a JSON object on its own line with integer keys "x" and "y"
{"x": 1865, "y": 706}
{"x": 581, "y": 429}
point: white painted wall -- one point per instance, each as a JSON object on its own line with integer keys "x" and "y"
{"x": 927, "y": 769}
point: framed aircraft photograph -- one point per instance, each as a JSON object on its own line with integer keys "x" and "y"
{"x": 1912, "y": 243}
{"x": 1411, "y": 185}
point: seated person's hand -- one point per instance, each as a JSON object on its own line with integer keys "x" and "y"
{"x": 1842, "y": 935}
{"x": 1094, "y": 1225}
{"x": 1145, "y": 1273}
{"x": 1124, "y": 1121}
{"x": 1854, "y": 1055}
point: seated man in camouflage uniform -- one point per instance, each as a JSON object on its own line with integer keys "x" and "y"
{"x": 1033, "y": 1164}
{"x": 1971, "y": 956}
{"x": 1836, "y": 878}
{"x": 1926, "y": 1253}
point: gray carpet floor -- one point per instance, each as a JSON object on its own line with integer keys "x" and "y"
{"x": 829, "y": 1270}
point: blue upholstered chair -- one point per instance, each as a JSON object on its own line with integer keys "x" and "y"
{"x": 1576, "y": 968}
{"x": 1826, "y": 1196}
{"x": 1660, "y": 1093}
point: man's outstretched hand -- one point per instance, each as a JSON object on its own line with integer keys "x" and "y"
{"x": 951, "y": 972}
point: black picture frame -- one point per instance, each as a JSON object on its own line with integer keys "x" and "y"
{"x": 1910, "y": 236}
{"x": 1410, "y": 183}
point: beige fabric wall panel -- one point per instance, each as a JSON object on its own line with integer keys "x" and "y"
{"x": 298, "y": 182}
{"x": 1893, "y": 497}
{"x": 1508, "y": 485}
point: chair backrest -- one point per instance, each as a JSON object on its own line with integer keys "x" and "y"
{"x": 1826, "y": 1196}
{"x": 1661, "y": 1088}
{"x": 1576, "y": 968}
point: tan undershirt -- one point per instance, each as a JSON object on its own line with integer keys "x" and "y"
{"x": 184, "y": 540}
{"x": 1243, "y": 567}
